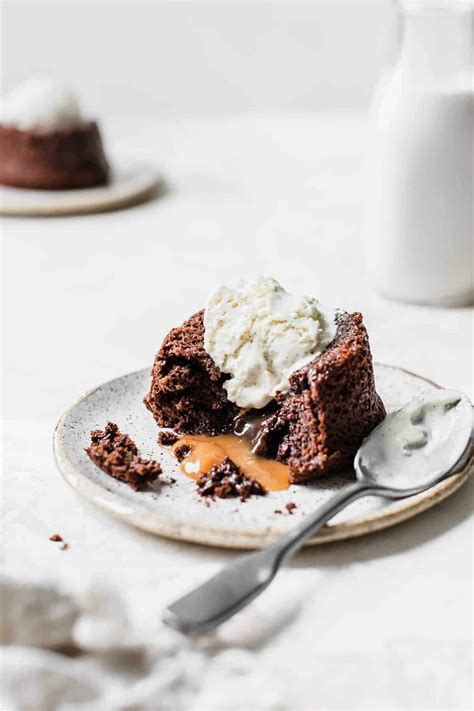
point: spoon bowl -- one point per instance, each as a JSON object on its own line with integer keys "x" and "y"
{"x": 418, "y": 445}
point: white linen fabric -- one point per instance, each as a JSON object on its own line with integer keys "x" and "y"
{"x": 78, "y": 650}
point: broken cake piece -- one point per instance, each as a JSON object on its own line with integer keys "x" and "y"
{"x": 226, "y": 480}
{"x": 117, "y": 455}
{"x": 166, "y": 438}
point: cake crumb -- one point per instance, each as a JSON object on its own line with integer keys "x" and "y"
{"x": 290, "y": 506}
{"x": 59, "y": 539}
{"x": 278, "y": 511}
{"x": 225, "y": 480}
{"x": 117, "y": 455}
{"x": 181, "y": 452}
{"x": 166, "y": 438}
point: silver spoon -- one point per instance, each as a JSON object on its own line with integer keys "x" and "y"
{"x": 410, "y": 451}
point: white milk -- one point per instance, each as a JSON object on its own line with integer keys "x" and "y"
{"x": 419, "y": 227}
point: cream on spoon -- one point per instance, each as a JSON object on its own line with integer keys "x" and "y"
{"x": 417, "y": 443}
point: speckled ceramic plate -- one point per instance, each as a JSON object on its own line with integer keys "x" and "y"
{"x": 130, "y": 183}
{"x": 176, "y": 510}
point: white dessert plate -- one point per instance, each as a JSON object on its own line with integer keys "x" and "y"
{"x": 177, "y": 511}
{"x": 130, "y": 183}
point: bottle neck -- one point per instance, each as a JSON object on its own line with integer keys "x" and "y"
{"x": 437, "y": 39}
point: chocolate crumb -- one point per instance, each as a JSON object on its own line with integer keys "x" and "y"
{"x": 117, "y": 455}
{"x": 64, "y": 546}
{"x": 278, "y": 511}
{"x": 181, "y": 452}
{"x": 290, "y": 506}
{"x": 225, "y": 480}
{"x": 166, "y": 438}
{"x": 56, "y": 537}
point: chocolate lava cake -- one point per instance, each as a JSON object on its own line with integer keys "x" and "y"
{"x": 55, "y": 159}
{"x": 315, "y": 428}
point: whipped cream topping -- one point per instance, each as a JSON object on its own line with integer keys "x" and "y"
{"x": 259, "y": 334}
{"x": 40, "y": 103}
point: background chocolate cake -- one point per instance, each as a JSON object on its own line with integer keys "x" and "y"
{"x": 45, "y": 141}
{"x": 53, "y": 160}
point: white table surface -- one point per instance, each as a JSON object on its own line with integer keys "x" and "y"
{"x": 385, "y": 621}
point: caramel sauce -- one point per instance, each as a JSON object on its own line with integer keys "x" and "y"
{"x": 207, "y": 451}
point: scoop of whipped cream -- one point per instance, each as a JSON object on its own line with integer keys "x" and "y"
{"x": 259, "y": 334}
{"x": 40, "y": 103}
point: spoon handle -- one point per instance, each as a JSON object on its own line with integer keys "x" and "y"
{"x": 241, "y": 581}
{"x": 290, "y": 543}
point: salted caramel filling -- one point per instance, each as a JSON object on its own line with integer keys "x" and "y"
{"x": 207, "y": 451}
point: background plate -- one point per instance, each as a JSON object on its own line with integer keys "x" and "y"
{"x": 130, "y": 183}
{"x": 176, "y": 510}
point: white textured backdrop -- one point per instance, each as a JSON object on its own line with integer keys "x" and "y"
{"x": 218, "y": 56}
{"x": 381, "y": 622}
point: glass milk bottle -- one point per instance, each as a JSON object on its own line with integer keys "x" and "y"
{"x": 419, "y": 226}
